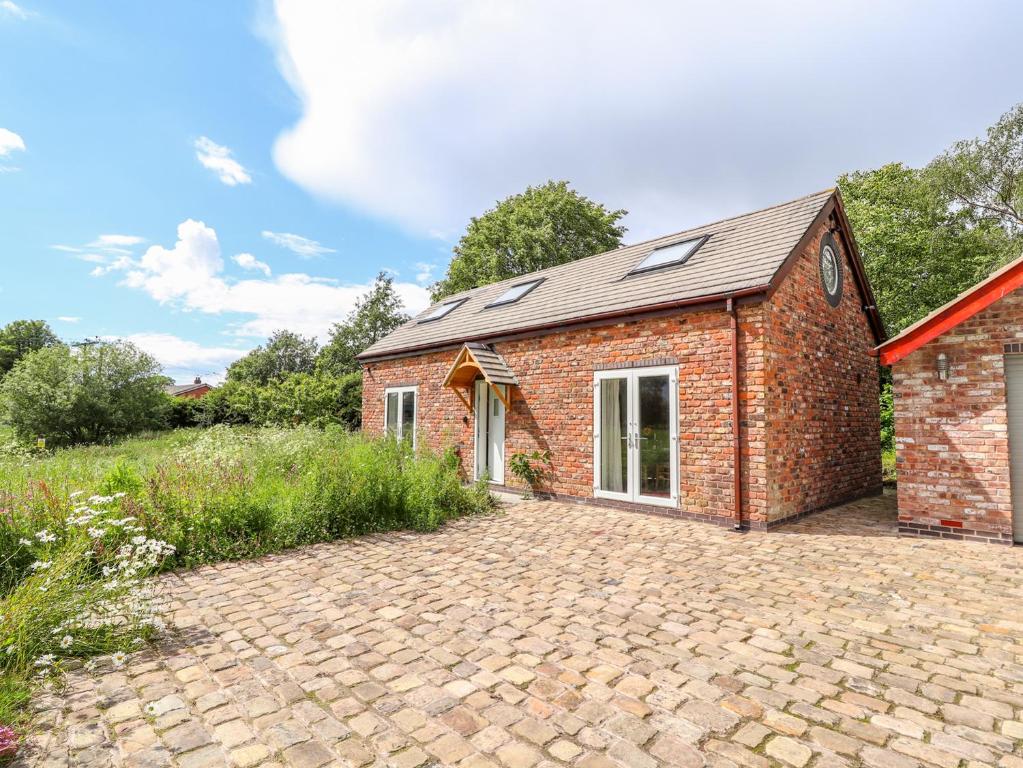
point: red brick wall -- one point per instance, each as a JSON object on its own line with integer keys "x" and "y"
{"x": 553, "y": 406}
{"x": 952, "y": 436}
{"x": 823, "y": 424}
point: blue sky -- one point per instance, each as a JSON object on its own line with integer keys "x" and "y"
{"x": 193, "y": 175}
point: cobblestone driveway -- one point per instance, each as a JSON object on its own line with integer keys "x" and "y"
{"x": 564, "y": 635}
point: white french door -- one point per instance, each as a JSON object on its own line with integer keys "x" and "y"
{"x": 489, "y": 432}
{"x": 635, "y": 435}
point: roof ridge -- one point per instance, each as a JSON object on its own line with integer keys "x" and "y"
{"x": 470, "y": 291}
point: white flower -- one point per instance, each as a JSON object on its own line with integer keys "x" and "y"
{"x": 67, "y": 641}
{"x": 138, "y": 540}
{"x": 25, "y": 542}
{"x": 46, "y": 537}
{"x": 76, "y": 494}
{"x": 40, "y": 565}
{"x": 46, "y": 660}
{"x": 96, "y": 533}
{"x": 119, "y": 658}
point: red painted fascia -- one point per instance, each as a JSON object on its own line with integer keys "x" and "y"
{"x": 975, "y": 300}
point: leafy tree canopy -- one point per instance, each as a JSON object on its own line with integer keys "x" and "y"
{"x": 920, "y": 249}
{"x": 19, "y": 338}
{"x": 985, "y": 176}
{"x": 83, "y": 395}
{"x": 542, "y": 227}
{"x": 375, "y": 315}
{"x": 285, "y": 352}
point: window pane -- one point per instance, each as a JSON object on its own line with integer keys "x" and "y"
{"x": 614, "y": 435}
{"x": 408, "y": 415}
{"x": 654, "y": 436}
{"x": 669, "y": 254}
{"x": 441, "y": 311}
{"x": 391, "y": 419}
{"x": 515, "y": 293}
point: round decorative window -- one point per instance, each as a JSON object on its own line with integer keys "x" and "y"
{"x": 831, "y": 270}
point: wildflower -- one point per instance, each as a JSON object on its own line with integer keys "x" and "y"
{"x": 46, "y": 660}
{"x": 46, "y": 537}
{"x": 119, "y": 658}
{"x": 40, "y": 565}
{"x": 25, "y": 542}
{"x": 8, "y": 741}
{"x": 96, "y": 533}
{"x": 76, "y": 494}
{"x": 67, "y": 641}
{"x": 136, "y": 540}
{"x": 150, "y": 709}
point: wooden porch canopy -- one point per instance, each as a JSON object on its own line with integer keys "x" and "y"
{"x": 475, "y": 361}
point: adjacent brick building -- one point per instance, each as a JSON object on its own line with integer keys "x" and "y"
{"x": 958, "y": 384}
{"x": 724, "y": 373}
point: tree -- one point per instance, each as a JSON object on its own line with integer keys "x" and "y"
{"x": 542, "y": 227}
{"x": 285, "y": 352}
{"x": 919, "y": 249}
{"x": 84, "y": 395}
{"x": 19, "y": 338}
{"x": 986, "y": 176}
{"x": 375, "y": 315}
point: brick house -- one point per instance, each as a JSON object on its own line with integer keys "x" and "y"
{"x": 726, "y": 373}
{"x": 958, "y": 384}
{"x": 193, "y": 391}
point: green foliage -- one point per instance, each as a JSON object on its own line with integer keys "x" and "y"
{"x": 299, "y": 398}
{"x": 985, "y": 176}
{"x": 19, "y": 338}
{"x": 887, "y": 417}
{"x": 531, "y": 468}
{"x": 375, "y": 315}
{"x": 89, "y": 394}
{"x": 285, "y": 352}
{"x": 542, "y": 227}
{"x": 226, "y": 493}
{"x": 919, "y": 250}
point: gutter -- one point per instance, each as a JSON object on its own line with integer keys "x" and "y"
{"x": 736, "y": 441}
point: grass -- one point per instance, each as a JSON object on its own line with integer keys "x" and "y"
{"x": 888, "y": 472}
{"x": 73, "y": 523}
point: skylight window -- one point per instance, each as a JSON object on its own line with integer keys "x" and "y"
{"x": 442, "y": 311}
{"x": 515, "y": 293}
{"x": 669, "y": 255}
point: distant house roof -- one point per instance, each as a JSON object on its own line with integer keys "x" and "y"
{"x": 184, "y": 389}
{"x": 734, "y": 257}
{"x": 959, "y": 310}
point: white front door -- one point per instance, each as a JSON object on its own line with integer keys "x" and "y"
{"x": 635, "y": 435}
{"x": 489, "y": 432}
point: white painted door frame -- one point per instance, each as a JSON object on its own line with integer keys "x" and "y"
{"x": 488, "y": 432}
{"x": 633, "y": 438}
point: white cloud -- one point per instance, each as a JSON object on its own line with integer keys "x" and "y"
{"x": 111, "y": 249}
{"x": 248, "y": 261}
{"x": 10, "y": 142}
{"x": 69, "y": 319}
{"x": 303, "y": 246}
{"x": 189, "y": 276}
{"x": 425, "y": 113}
{"x": 217, "y": 158}
{"x": 183, "y": 359}
{"x": 11, "y": 10}
{"x": 425, "y": 272}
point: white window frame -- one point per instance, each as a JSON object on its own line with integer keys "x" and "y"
{"x": 633, "y": 375}
{"x": 400, "y": 391}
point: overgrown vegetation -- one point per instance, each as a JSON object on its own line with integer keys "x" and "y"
{"x": 80, "y": 527}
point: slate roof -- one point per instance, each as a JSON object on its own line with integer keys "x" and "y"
{"x": 180, "y": 389}
{"x": 743, "y": 252}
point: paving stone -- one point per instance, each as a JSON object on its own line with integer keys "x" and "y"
{"x": 788, "y": 751}
{"x": 573, "y": 635}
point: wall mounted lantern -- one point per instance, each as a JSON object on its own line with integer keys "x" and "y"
{"x": 941, "y": 365}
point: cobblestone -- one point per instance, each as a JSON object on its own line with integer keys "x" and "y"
{"x": 555, "y": 635}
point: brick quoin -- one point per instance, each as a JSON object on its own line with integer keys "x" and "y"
{"x": 952, "y": 439}
{"x": 808, "y": 399}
